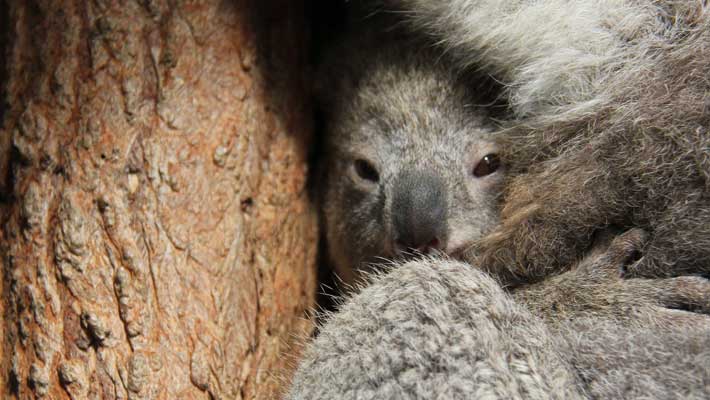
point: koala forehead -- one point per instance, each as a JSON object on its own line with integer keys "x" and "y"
{"x": 403, "y": 130}
{"x": 410, "y": 109}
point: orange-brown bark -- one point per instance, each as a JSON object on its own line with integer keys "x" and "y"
{"x": 157, "y": 240}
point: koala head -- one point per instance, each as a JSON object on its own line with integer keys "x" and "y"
{"x": 410, "y": 164}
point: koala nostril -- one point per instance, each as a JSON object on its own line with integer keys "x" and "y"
{"x": 427, "y": 248}
{"x": 434, "y": 244}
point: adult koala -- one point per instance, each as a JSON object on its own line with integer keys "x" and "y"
{"x": 612, "y": 106}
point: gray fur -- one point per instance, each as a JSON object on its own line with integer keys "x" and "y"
{"x": 436, "y": 328}
{"x": 424, "y": 130}
{"x": 611, "y": 109}
{"x": 433, "y": 329}
{"x": 612, "y": 129}
{"x": 643, "y": 362}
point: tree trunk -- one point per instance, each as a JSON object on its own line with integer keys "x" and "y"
{"x": 157, "y": 239}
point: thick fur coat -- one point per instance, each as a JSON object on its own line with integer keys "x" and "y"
{"x": 611, "y": 106}
{"x": 437, "y": 329}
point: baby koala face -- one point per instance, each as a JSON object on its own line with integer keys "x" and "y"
{"x": 411, "y": 167}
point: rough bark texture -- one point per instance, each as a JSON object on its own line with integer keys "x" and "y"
{"x": 157, "y": 240}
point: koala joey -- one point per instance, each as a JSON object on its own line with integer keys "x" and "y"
{"x": 410, "y": 163}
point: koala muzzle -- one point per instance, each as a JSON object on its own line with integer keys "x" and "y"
{"x": 419, "y": 211}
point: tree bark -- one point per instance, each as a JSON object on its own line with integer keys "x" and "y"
{"x": 157, "y": 240}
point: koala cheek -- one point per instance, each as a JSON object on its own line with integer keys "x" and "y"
{"x": 466, "y": 229}
{"x": 460, "y": 238}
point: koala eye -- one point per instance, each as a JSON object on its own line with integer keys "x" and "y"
{"x": 488, "y": 165}
{"x": 366, "y": 170}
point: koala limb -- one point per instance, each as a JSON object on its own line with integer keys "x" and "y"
{"x": 596, "y": 286}
{"x": 628, "y": 338}
{"x": 655, "y": 361}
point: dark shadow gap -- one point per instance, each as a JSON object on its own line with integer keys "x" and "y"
{"x": 327, "y": 19}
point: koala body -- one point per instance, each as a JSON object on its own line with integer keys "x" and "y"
{"x": 410, "y": 161}
{"x": 610, "y": 127}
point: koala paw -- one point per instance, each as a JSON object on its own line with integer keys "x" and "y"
{"x": 611, "y": 257}
{"x": 599, "y": 285}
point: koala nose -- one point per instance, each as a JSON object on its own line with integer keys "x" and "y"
{"x": 419, "y": 211}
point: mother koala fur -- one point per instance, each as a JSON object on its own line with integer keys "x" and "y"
{"x": 612, "y": 109}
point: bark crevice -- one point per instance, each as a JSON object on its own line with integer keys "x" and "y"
{"x": 132, "y": 264}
